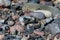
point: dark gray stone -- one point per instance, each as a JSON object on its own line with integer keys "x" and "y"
{"x": 53, "y": 28}
{"x": 38, "y": 15}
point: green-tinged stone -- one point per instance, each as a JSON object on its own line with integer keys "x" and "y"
{"x": 34, "y": 6}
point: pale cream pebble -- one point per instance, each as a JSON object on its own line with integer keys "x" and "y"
{"x": 25, "y": 38}
{"x": 13, "y": 3}
{"x": 55, "y": 38}
{"x": 1, "y": 37}
{"x": 57, "y": 1}
{"x": 49, "y": 37}
{"x": 43, "y": 22}
{"x": 45, "y": 12}
{"x": 10, "y": 22}
{"x": 12, "y": 13}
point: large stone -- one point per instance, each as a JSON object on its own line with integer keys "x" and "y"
{"x": 53, "y": 28}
